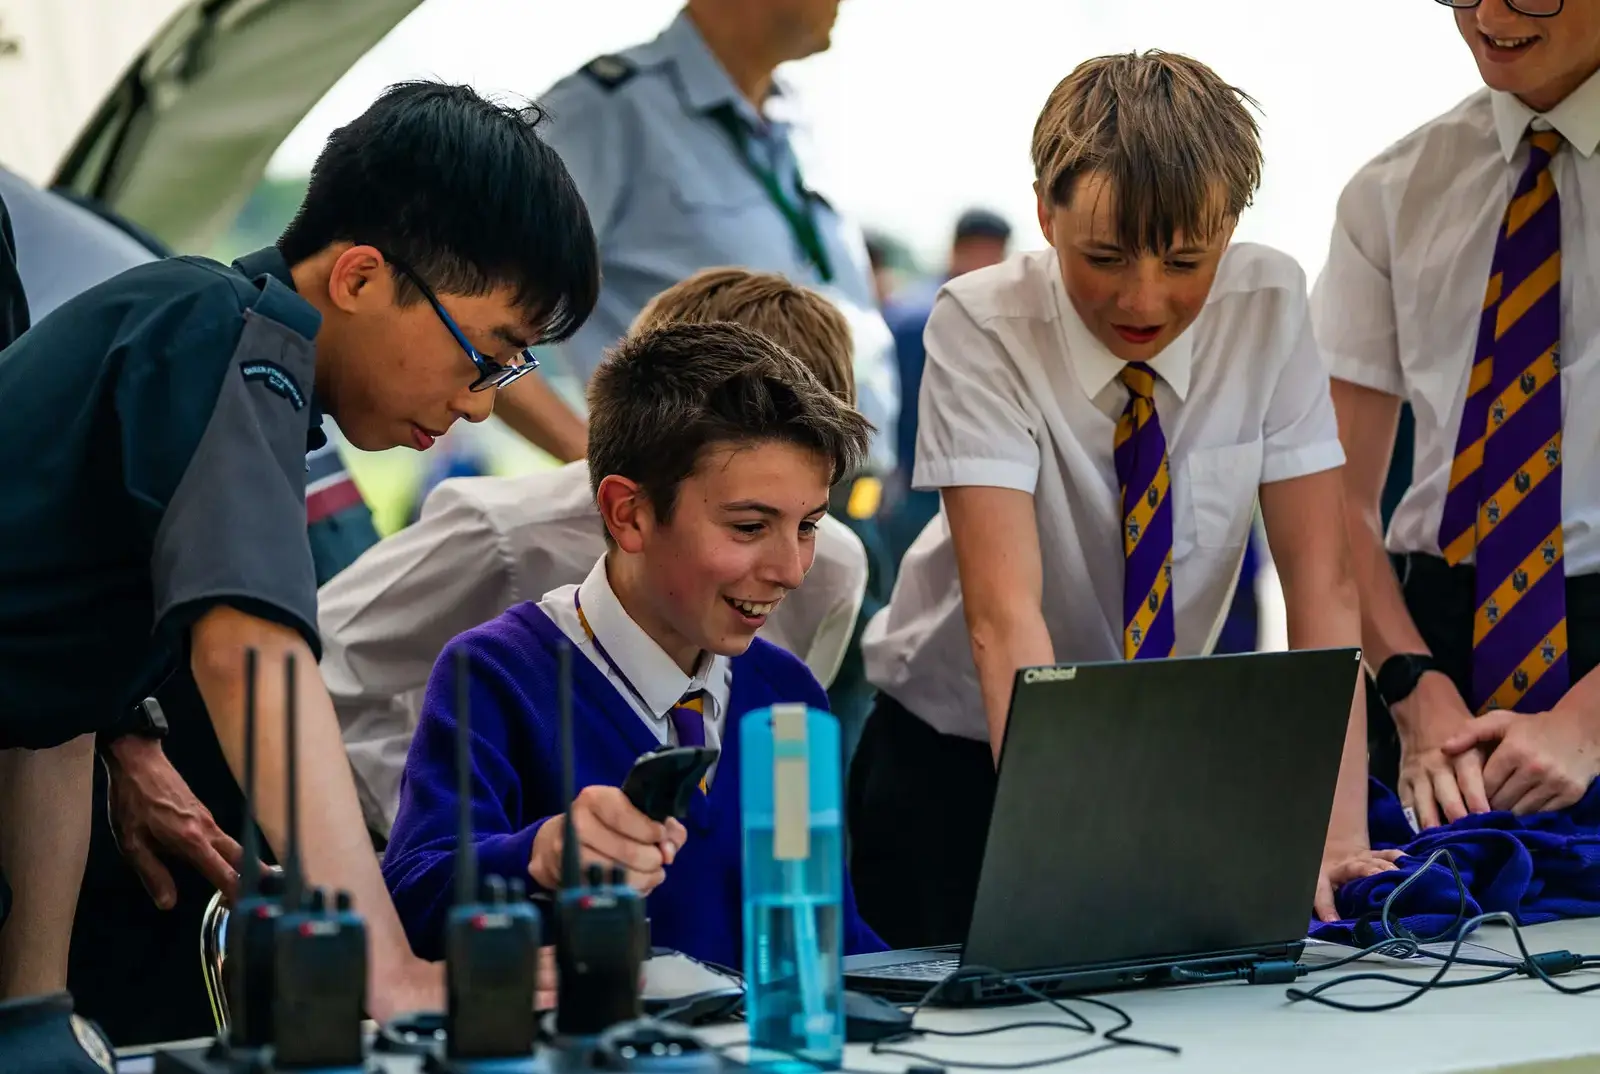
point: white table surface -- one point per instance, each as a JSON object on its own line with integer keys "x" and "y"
{"x": 1517, "y": 1025}
{"x": 1236, "y": 1028}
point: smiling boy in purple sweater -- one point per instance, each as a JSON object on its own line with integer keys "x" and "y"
{"x": 712, "y": 450}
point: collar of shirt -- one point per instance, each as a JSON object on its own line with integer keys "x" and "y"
{"x": 1093, "y": 363}
{"x": 705, "y": 82}
{"x": 649, "y": 670}
{"x": 271, "y": 262}
{"x": 1577, "y": 118}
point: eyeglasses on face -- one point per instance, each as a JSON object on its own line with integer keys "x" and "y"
{"x": 491, "y": 374}
{"x": 1534, "y": 9}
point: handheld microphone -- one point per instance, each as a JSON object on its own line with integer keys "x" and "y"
{"x": 491, "y": 943}
{"x": 321, "y": 956}
{"x": 252, "y": 923}
{"x": 601, "y": 936}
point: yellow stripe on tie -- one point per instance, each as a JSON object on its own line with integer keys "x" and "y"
{"x": 1526, "y": 293}
{"x": 1549, "y": 141}
{"x": 1144, "y": 510}
{"x": 1146, "y": 616}
{"x": 1530, "y": 671}
{"x": 1543, "y": 370}
{"x": 1459, "y": 549}
{"x": 1482, "y": 373}
{"x": 1506, "y": 404}
{"x": 1540, "y": 561}
{"x": 1521, "y": 210}
{"x": 1140, "y": 382}
{"x": 1498, "y": 507}
{"x": 1492, "y": 295}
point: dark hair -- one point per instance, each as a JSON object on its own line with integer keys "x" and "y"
{"x": 1168, "y": 132}
{"x": 461, "y": 190}
{"x": 982, "y": 224}
{"x": 664, "y": 395}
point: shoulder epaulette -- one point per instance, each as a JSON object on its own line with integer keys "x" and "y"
{"x": 610, "y": 71}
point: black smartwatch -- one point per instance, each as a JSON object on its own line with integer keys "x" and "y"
{"x": 145, "y": 720}
{"x": 1399, "y": 676}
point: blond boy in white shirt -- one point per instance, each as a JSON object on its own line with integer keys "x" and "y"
{"x": 1099, "y": 418}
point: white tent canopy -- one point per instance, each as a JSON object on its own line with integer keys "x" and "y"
{"x": 58, "y": 60}
{"x": 169, "y": 118}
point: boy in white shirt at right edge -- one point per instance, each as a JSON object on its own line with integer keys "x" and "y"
{"x": 1099, "y": 418}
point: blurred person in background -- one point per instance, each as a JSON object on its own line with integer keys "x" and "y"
{"x": 884, "y": 279}
{"x": 1460, "y": 282}
{"x": 982, "y": 238}
{"x": 682, "y": 150}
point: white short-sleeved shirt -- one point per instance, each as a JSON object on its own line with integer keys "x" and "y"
{"x": 1397, "y": 306}
{"x": 1018, "y": 393}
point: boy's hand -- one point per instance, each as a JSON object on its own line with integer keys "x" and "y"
{"x": 1340, "y": 867}
{"x": 1541, "y": 760}
{"x": 612, "y": 832}
{"x": 1438, "y": 786}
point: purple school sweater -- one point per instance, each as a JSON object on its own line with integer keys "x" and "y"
{"x": 516, "y": 763}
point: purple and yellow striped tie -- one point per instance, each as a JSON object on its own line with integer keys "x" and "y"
{"x": 688, "y": 718}
{"x": 1504, "y": 504}
{"x": 1148, "y": 630}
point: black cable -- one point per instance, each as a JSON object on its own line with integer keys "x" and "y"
{"x": 1402, "y": 943}
{"x": 1111, "y": 1038}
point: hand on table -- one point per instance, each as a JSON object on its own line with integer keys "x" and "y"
{"x": 1539, "y": 760}
{"x": 1437, "y": 786}
{"x": 1342, "y": 865}
{"x": 154, "y": 814}
{"x": 611, "y": 832}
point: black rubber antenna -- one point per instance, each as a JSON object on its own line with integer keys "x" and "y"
{"x": 292, "y": 887}
{"x": 250, "y": 846}
{"x": 466, "y": 852}
{"x": 570, "y": 873}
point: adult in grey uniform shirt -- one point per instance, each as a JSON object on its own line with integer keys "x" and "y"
{"x": 681, "y": 149}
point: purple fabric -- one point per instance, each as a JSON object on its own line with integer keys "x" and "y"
{"x": 1541, "y": 867}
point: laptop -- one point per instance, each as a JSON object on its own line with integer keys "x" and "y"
{"x": 1150, "y": 818}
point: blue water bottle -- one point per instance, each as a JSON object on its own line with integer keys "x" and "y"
{"x": 793, "y": 888}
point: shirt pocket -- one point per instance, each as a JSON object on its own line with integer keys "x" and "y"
{"x": 1215, "y": 501}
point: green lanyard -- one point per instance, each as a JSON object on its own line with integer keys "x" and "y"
{"x": 799, "y": 217}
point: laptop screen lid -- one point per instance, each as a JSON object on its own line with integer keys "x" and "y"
{"x": 1167, "y": 808}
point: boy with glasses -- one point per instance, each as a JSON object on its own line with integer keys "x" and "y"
{"x": 1460, "y": 280}
{"x": 153, "y": 474}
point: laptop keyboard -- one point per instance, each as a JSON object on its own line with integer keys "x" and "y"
{"x": 935, "y": 969}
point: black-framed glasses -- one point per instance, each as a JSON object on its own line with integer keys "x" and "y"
{"x": 491, "y": 374}
{"x": 1534, "y": 9}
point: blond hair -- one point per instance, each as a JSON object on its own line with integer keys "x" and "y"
{"x": 796, "y": 318}
{"x": 1177, "y": 143}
